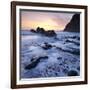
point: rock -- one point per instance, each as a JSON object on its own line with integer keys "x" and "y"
{"x": 74, "y": 24}
{"x": 59, "y": 58}
{"x": 71, "y": 41}
{"x": 78, "y": 68}
{"x": 33, "y": 59}
{"x": 44, "y": 57}
{"x": 74, "y": 51}
{"x": 40, "y": 30}
{"x": 78, "y": 38}
{"x": 74, "y": 37}
{"x": 50, "y": 33}
{"x": 34, "y": 62}
{"x": 65, "y": 70}
{"x": 32, "y": 30}
{"x": 72, "y": 73}
{"x": 46, "y": 46}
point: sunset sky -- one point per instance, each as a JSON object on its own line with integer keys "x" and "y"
{"x": 46, "y": 20}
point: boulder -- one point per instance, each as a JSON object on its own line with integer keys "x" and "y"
{"x": 72, "y": 73}
{"x": 46, "y": 46}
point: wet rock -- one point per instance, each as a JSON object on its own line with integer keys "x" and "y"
{"x": 70, "y": 50}
{"x": 44, "y": 57}
{"x": 78, "y": 68}
{"x": 65, "y": 70}
{"x": 72, "y": 73}
{"x": 60, "y": 64}
{"x": 59, "y": 58}
{"x": 74, "y": 37}
{"x": 35, "y": 62}
{"x": 50, "y": 33}
{"x": 56, "y": 74}
{"x": 47, "y": 46}
{"x": 71, "y": 41}
{"x": 75, "y": 51}
{"x": 78, "y": 38}
{"x": 40, "y": 30}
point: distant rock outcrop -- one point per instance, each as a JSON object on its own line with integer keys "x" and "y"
{"x": 74, "y": 24}
{"x": 40, "y": 30}
{"x": 49, "y": 33}
{"x": 32, "y": 30}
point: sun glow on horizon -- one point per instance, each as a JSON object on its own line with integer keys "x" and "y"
{"x": 46, "y": 20}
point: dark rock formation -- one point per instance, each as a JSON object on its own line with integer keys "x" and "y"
{"x": 74, "y": 24}
{"x": 70, "y": 50}
{"x": 49, "y": 33}
{"x": 65, "y": 70}
{"x": 72, "y": 41}
{"x": 34, "y": 62}
{"x": 72, "y": 73}
{"x": 78, "y": 68}
{"x": 40, "y": 30}
{"x": 47, "y": 46}
{"x": 32, "y": 30}
{"x": 59, "y": 58}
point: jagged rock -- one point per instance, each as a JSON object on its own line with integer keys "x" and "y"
{"x": 50, "y": 33}
{"x": 40, "y": 30}
{"x": 74, "y": 24}
{"x": 34, "y": 62}
{"x": 47, "y": 46}
{"x": 72, "y": 73}
{"x": 32, "y": 30}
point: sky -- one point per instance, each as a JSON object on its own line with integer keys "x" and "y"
{"x": 47, "y": 20}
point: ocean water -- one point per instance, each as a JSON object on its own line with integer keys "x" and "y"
{"x": 43, "y": 56}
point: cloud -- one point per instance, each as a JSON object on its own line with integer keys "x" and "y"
{"x": 47, "y": 20}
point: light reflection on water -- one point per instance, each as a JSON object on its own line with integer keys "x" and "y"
{"x": 30, "y": 37}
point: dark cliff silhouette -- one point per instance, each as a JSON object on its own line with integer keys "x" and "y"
{"x": 74, "y": 24}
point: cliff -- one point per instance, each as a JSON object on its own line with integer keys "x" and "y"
{"x": 74, "y": 24}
